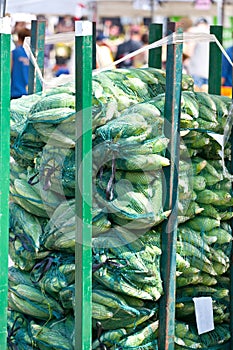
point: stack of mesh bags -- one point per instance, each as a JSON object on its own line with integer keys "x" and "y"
{"x": 42, "y": 214}
{"x": 129, "y": 155}
{"x": 204, "y": 233}
{"x": 203, "y": 249}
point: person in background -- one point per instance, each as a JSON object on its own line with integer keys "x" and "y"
{"x": 227, "y": 68}
{"x": 114, "y": 36}
{"x": 134, "y": 43}
{"x": 18, "y": 26}
{"x": 19, "y": 66}
{"x": 63, "y": 50}
{"x": 197, "y": 63}
{"x": 185, "y": 23}
{"x": 104, "y": 56}
{"x": 141, "y": 60}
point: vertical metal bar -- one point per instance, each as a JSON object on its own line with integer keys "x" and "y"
{"x": 220, "y": 11}
{"x": 215, "y": 62}
{"x": 94, "y": 45}
{"x": 152, "y": 10}
{"x": 169, "y": 232}
{"x": 5, "y": 30}
{"x": 155, "y": 55}
{"x": 37, "y": 48}
{"x": 83, "y": 191}
{"x": 231, "y": 274}
{"x": 4, "y": 8}
{"x": 231, "y": 259}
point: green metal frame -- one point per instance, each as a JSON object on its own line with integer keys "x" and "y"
{"x": 215, "y": 62}
{"x": 83, "y": 254}
{"x": 231, "y": 268}
{"x": 37, "y": 47}
{"x": 155, "y": 55}
{"x": 83, "y": 192}
{"x": 215, "y": 69}
{"x": 4, "y": 174}
{"x": 172, "y": 112}
{"x": 214, "y": 87}
{"x": 84, "y": 58}
{"x": 169, "y": 232}
{"x": 94, "y": 45}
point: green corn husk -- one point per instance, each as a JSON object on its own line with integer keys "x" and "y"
{"x": 139, "y": 337}
{"x": 17, "y": 331}
{"x": 203, "y": 224}
{"x": 110, "y": 338}
{"x": 27, "y": 227}
{"x": 66, "y": 297}
{"x": 53, "y": 273}
{"x": 31, "y": 301}
{"x": 54, "y": 335}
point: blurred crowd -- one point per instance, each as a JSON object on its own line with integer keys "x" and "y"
{"x": 114, "y": 42}
{"x": 121, "y": 42}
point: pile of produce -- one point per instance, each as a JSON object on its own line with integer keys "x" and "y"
{"x": 205, "y": 240}
{"x": 204, "y": 206}
{"x": 129, "y": 155}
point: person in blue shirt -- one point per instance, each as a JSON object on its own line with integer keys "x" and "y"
{"x": 227, "y": 68}
{"x": 19, "y": 66}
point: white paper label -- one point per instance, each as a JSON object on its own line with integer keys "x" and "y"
{"x": 204, "y": 314}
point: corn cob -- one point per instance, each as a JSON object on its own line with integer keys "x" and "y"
{"x": 101, "y": 312}
{"x": 138, "y": 338}
{"x": 220, "y": 268}
{"x": 61, "y": 100}
{"x": 47, "y": 337}
{"x": 52, "y": 135}
{"x": 199, "y": 264}
{"x": 31, "y": 301}
{"x": 203, "y": 224}
{"x": 187, "y": 249}
{"x": 210, "y": 211}
{"x": 193, "y": 237}
{"x": 189, "y": 104}
{"x": 218, "y": 255}
{"x": 110, "y": 338}
{"x": 120, "y": 285}
{"x": 66, "y": 297}
{"x": 52, "y": 116}
{"x": 113, "y": 300}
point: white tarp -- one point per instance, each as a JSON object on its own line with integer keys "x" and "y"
{"x": 49, "y": 7}
{"x": 113, "y": 8}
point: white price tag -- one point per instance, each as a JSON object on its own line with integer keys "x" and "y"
{"x": 204, "y": 314}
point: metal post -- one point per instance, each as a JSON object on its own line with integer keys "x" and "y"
{"x": 94, "y": 45}
{"x": 231, "y": 258}
{"x": 220, "y": 11}
{"x": 152, "y": 10}
{"x": 2, "y": 8}
{"x": 37, "y": 47}
{"x": 169, "y": 232}
{"x": 155, "y": 55}
{"x": 215, "y": 62}
{"x": 5, "y": 31}
{"x": 83, "y": 191}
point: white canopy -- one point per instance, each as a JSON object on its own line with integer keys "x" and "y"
{"x": 49, "y": 7}
{"x": 114, "y": 8}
